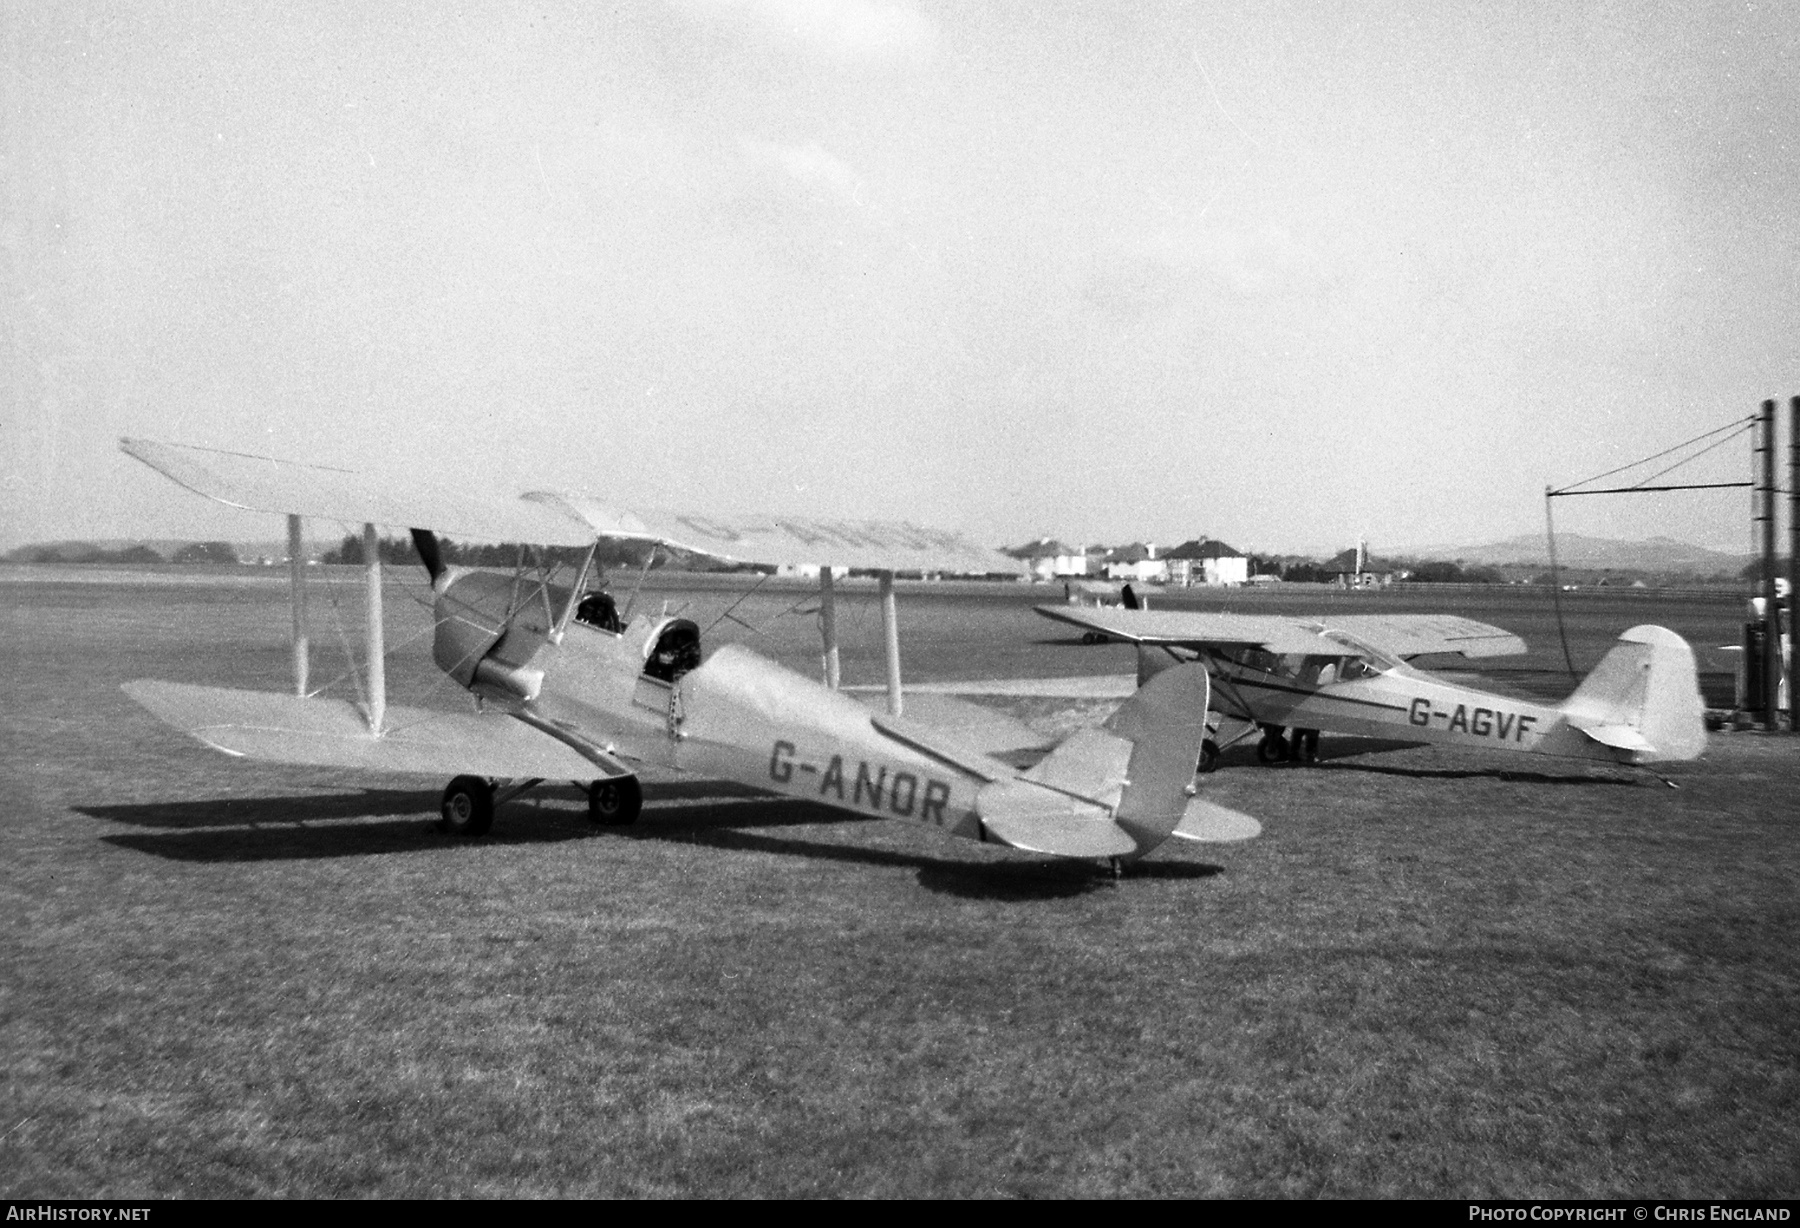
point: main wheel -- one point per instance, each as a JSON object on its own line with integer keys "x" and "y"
{"x": 1092, "y": 637}
{"x": 1273, "y": 748}
{"x": 1304, "y": 747}
{"x": 615, "y": 802}
{"x": 1209, "y": 757}
{"x": 468, "y": 806}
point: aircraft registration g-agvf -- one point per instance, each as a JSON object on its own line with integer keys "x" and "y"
{"x": 567, "y": 692}
{"x": 1349, "y": 674}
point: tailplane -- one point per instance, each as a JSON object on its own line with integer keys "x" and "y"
{"x": 1135, "y": 773}
{"x": 1643, "y": 697}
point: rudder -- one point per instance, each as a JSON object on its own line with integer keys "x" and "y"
{"x": 1647, "y": 683}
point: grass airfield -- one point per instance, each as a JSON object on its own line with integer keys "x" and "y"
{"x": 1436, "y": 973}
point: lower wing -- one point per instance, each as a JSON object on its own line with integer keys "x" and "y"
{"x": 334, "y": 733}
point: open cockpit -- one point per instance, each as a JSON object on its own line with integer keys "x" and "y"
{"x": 675, "y": 651}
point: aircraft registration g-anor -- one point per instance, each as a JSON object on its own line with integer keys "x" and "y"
{"x": 1349, "y": 674}
{"x": 567, "y": 692}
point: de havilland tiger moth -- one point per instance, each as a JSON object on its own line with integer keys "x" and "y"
{"x": 566, "y": 692}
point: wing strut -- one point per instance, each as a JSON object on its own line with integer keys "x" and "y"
{"x": 828, "y": 626}
{"x": 297, "y": 598}
{"x": 377, "y": 649}
{"x": 890, "y": 638}
{"x": 576, "y": 591}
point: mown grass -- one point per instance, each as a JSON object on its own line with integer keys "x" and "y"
{"x": 1435, "y": 974}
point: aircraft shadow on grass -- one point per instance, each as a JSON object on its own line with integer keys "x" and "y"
{"x": 976, "y": 878}
{"x": 729, "y": 818}
{"x": 363, "y": 804}
{"x": 1495, "y": 773}
{"x": 1351, "y": 755}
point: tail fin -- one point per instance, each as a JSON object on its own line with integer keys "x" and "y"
{"x": 1122, "y": 789}
{"x": 1140, "y": 763}
{"x": 1643, "y": 697}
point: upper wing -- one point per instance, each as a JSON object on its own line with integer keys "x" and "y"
{"x": 1398, "y": 635}
{"x": 876, "y": 544}
{"x": 263, "y": 484}
{"x": 1267, "y": 631}
{"x": 1414, "y": 635}
{"x": 333, "y": 733}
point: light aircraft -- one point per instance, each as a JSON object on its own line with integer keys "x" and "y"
{"x": 565, "y": 691}
{"x": 1349, "y": 674}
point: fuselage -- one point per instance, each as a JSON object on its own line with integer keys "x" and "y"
{"x": 637, "y": 696}
{"x": 1389, "y": 699}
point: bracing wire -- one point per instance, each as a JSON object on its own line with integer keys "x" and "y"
{"x": 748, "y": 593}
{"x": 1737, "y": 427}
{"x": 1726, "y": 433}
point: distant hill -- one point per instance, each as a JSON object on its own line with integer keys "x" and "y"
{"x": 1657, "y": 554}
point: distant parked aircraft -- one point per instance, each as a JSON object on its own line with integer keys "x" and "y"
{"x": 1289, "y": 678}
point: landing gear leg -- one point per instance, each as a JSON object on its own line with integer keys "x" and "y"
{"x": 468, "y": 807}
{"x": 1273, "y": 748}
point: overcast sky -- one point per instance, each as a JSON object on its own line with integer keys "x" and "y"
{"x": 1276, "y": 273}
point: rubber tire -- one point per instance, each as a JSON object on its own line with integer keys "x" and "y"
{"x": 1092, "y": 637}
{"x": 1272, "y": 749}
{"x": 468, "y": 806}
{"x": 1304, "y": 746}
{"x": 1209, "y": 758}
{"x": 616, "y": 802}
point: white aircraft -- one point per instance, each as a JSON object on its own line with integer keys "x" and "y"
{"x": 1349, "y": 674}
{"x": 564, "y": 692}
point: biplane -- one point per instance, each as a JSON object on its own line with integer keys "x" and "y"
{"x": 565, "y": 690}
{"x": 1286, "y": 679}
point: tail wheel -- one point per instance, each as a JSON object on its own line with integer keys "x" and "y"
{"x": 1209, "y": 757}
{"x": 616, "y": 802}
{"x": 1273, "y": 748}
{"x": 1305, "y": 746}
{"x": 468, "y": 806}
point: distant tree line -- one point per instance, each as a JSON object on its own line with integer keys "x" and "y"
{"x": 1438, "y": 572}
{"x": 611, "y": 554}
{"x": 87, "y": 552}
{"x": 1297, "y": 570}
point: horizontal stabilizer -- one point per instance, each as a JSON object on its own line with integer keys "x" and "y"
{"x": 1139, "y": 765}
{"x": 334, "y": 733}
{"x": 1209, "y": 824}
{"x": 1041, "y": 820}
{"x": 1619, "y": 737}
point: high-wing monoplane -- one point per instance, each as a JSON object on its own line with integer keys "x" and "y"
{"x": 1290, "y": 678}
{"x": 566, "y": 691}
